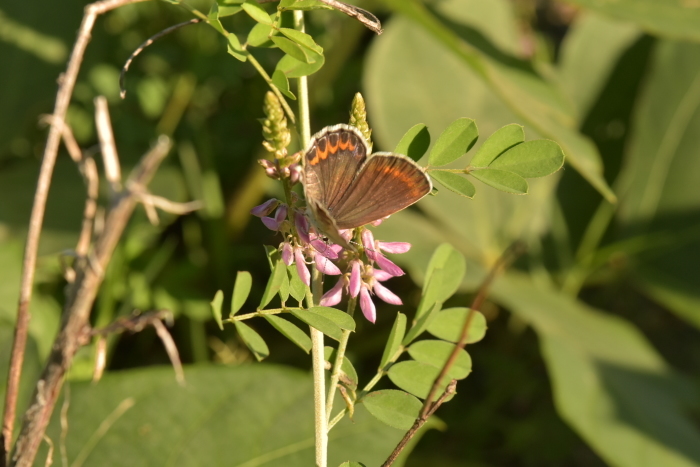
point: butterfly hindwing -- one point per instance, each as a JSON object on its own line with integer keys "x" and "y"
{"x": 385, "y": 184}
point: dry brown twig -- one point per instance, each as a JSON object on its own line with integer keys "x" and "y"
{"x": 430, "y": 407}
{"x": 365, "y": 17}
{"x": 66, "y": 85}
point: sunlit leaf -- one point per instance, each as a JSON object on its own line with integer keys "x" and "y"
{"x": 339, "y": 317}
{"x": 454, "y": 182}
{"x": 256, "y": 12}
{"x": 241, "y": 290}
{"x": 502, "y": 180}
{"x": 531, "y": 159}
{"x": 319, "y": 322}
{"x": 274, "y": 283}
{"x": 454, "y": 142}
{"x": 252, "y": 339}
{"x": 216, "y": 308}
{"x": 496, "y": 144}
{"x": 290, "y": 331}
{"x": 395, "y": 408}
{"x": 448, "y": 323}
{"x": 415, "y": 142}
{"x": 398, "y": 330}
{"x": 436, "y": 353}
{"x": 416, "y": 377}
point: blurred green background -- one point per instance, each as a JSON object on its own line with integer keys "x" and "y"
{"x": 592, "y": 355}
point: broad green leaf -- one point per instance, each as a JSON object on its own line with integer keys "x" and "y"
{"x": 291, "y": 331}
{"x": 260, "y": 35}
{"x": 297, "y": 289}
{"x": 317, "y": 321}
{"x": 502, "y": 180}
{"x": 305, "y": 5}
{"x": 421, "y": 324}
{"x": 302, "y": 39}
{"x": 415, "y": 142}
{"x": 229, "y": 7}
{"x": 442, "y": 278}
{"x": 589, "y": 54}
{"x": 416, "y": 377}
{"x": 454, "y": 142}
{"x": 339, "y": 317}
{"x": 531, "y": 159}
{"x": 398, "y": 330}
{"x": 659, "y": 200}
{"x": 277, "y": 276}
{"x": 436, "y": 353}
{"x": 234, "y": 43}
{"x": 252, "y": 339}
{"x": 216, "y": 308}
{"x": 256, "y": 12}
{"x": 673, "y": 19}
{"x": 395, "y": 408}
{"x": 219, "y": 404}
{"x": 454, "y": 182}
{"x": 241, "y": 290}
{"x": 280, "y": 80}
{"x": 284, "y": 286}
{"x": 634, "y": 400}
{"x": 499, "y": 142}
{"x": 236, "y": 53}
{"x": 213, "y": 18}
{"x": 294, "y": 68}
{"x": 293, "y": 49}
{"x": 397, "y": 67}
{"x": 351, "y": 378}
{"x": 447, "y": 324}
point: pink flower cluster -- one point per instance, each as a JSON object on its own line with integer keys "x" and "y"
{"x": 360, "y": 277}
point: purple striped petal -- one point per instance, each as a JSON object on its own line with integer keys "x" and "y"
{"x": 266, "y": 208}
{"x": 270, "y": 223}
{"x": 287, "y": 253}
{"x": 386, "y": 265}
{"x": 281, "y": 214}
{"x": 334, "y": 295}
{"x": 302, "y": 270}
{"x": 386, "y": 294}
{"x": 323, "y": 248}
{"x": 325, "y": 265}
{"x": 394, "y": 247}
{"x": 355, "y": 278}
{"x": 367, "y": 306}
{"x": 302, "y": 225}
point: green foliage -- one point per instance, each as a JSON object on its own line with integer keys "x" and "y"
{"x": 415, "y": 142}
{"x": 395, "y": 408}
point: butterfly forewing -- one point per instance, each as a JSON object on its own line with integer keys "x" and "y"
{"x": 385, "y": 184}
{"x": 332, "y": 162}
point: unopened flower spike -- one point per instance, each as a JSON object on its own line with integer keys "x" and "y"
{"x": 358, "y": 118}
{"x": 277, "y": 135}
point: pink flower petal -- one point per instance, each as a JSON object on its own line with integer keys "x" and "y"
{"x": 394, "y": 247}
{"x": 386, "y": 294}
{"x": 367, "y": 306}
{"x": 355, "y": 278}
{"x": 368, "y": 243}
{"x": 381, "y": 275}
{"x": 325, "y": 265}
{"x": 266, "y": 208}
{"x": 287, "y": 253}
{"x": 346, "y": 234}
{"x": 334, "y": 295}
{"x": 384, "y": 263}
{"x": 336, "y": 248}
{"x": 323, "y": 248}
{"x": 270, "y": 223}
{"x": 294, "y": 173}
{"x": 302, "y": 224}
{"x": 302, "y": 270}
{"x": 377, "y": 222}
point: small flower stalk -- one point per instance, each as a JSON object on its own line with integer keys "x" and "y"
{"x": 358, "y": 118}
{"x": 277, "y": 137}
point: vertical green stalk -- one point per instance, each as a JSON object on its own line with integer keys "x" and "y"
{"x": 339, "y": 356}
{"x": 321, "y": 421}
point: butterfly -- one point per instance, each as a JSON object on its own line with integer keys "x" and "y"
{"x": 346, "y": 187}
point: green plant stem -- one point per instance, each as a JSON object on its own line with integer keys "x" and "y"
{"x": 270, "y": 311}
{"x": 339, "y": 357}
{"x": 318, "y": 360}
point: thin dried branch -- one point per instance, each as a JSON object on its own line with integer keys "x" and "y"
{"x": 108, "y": 147}
{"x": 420, "y": 421}
{"x": 149, "y": 41}
{"x": 171, "y": 349}
{"x": 151, "y": 202}
{"x": 74, "y": 326}
{"x": 363, "y": 16}
{"x": 429, "y": 407}
{"x": 66, "y": 86}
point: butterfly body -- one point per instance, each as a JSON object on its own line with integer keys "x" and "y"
{"x": 346, "y": 187}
